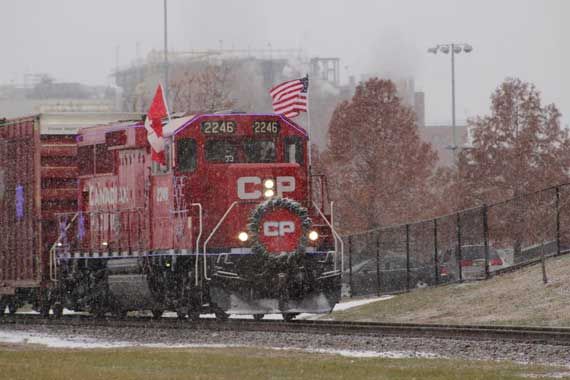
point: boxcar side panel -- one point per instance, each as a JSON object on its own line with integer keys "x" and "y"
{"x": 20, "y": 250}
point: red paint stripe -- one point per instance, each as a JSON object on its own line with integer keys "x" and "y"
{"x": 288, "y": 91}
{"x": 283, "y": 86}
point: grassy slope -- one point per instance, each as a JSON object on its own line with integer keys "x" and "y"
{"x": 514, "y": 298}
{"x": 23, "y": 363}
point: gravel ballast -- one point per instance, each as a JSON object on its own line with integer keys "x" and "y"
{"x": 384, "y": 346}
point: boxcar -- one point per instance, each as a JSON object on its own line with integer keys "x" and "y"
{"x": 38, "y": 178}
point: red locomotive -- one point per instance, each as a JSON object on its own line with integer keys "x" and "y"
{"x": 232, "y": 223}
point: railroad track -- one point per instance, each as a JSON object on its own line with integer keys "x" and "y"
{"x": 535, "y": 335}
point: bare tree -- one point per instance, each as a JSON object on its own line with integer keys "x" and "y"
{"x": 213, "y": 88}
{"x": 182, "y": 90}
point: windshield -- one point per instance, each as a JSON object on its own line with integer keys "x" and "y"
{"x": 235, "y": 151}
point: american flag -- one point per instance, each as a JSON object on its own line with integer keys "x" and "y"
{"x": 290, "y": 98}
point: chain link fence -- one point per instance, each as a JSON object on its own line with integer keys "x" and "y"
{"x": 468, "y": 245}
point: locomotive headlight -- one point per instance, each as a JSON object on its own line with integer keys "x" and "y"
{"x": 269, "y": 184}
{"x": 269, "y": 193}
{"x": 313, "y": 235}
{"x": 243, "y": 236}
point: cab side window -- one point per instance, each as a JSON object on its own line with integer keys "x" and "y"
{"x": 222, "y": 151}
{"x": 259, "y": 151}
{"x": 186, "y": 155}
{"x": 293, "y": 150}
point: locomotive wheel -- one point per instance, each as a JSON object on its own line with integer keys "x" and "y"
{"x": 181, "y": 314}
{"x": 120, "y": 313}
{"x": 258, "y": 317}
{"x": 43, "y": 308}
{"x": 57, "y": 310}
{"x": 156, "y": 314}
{"x": 288, "y": 317}
{"x": 12, "y": 308}
{"x": 97, "y": 312}
{"x": 221, "y": 315}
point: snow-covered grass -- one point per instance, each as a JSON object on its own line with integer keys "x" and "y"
{"x": 27, "y": 362}
{"x": 515, "y": 298}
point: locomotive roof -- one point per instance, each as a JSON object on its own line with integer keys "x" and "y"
{"x": 178, "y": 123}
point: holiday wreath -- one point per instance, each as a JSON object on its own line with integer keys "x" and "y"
{"x": 272, "y": 205}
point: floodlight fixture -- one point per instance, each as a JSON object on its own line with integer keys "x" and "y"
{"x": 454, "y": 48}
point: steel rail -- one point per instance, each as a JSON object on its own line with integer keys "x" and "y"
{"x": 527, "y": 334}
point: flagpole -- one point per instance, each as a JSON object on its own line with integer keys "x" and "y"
{"x": 166, "y": 89}
{"x": 166, "y": 105}
{"x": 309, "y": 126}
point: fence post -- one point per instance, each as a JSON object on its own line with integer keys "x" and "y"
{"x": 486, "y": 239}
{"x": 350, "y": 264}
{"x": 435, "y": 253}
{"x": 459, "y": 255}
{"x": 378, "y": 283}
{"x": 407, "y": 257}
{"x": 557, "y": 220}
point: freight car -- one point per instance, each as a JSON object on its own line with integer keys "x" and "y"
{"x": 38, "y": 178}
{"x": 232, "y": 223}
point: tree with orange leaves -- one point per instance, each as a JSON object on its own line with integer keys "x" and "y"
{"x": 376, "y": 163}
{"x": 518, "y": 149}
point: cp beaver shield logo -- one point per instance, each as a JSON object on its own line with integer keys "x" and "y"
{"x": 280, "y": 230}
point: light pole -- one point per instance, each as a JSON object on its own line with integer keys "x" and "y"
{"x": 454, "y": 48}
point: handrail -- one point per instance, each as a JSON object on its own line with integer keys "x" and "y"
{"x": 52, "y": 259}
{"x": 53, "y": 249}
{"x": 212, "y": 234}
{"x": 336, "y": 235}
{"x": 196, "y": 265}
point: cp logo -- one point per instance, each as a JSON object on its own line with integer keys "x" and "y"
{"x": 251, "y": 187}
{"x": 283, "y": 228}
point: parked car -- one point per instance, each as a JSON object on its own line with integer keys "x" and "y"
{"x": 392, "y": 275}
{"x": 472, "y": 263}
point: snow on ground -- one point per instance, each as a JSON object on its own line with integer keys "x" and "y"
{"x": 53, "y": 341}
{"x": 374, "y": 354}
{"x": 350, "y": 304}
{"x": 338, "y": 307}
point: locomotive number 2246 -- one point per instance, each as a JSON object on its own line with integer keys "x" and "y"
{"x": 266, "y": 127}
{"x": 215, "y": 127}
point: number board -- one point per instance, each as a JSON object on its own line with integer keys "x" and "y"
{"x": 218, "y": 127}
{"x": 266, "y": 127}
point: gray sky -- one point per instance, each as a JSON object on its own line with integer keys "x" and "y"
{"x": 75, "y": 40}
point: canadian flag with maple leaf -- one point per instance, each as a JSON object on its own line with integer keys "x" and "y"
{"x": 153, "y": 125}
